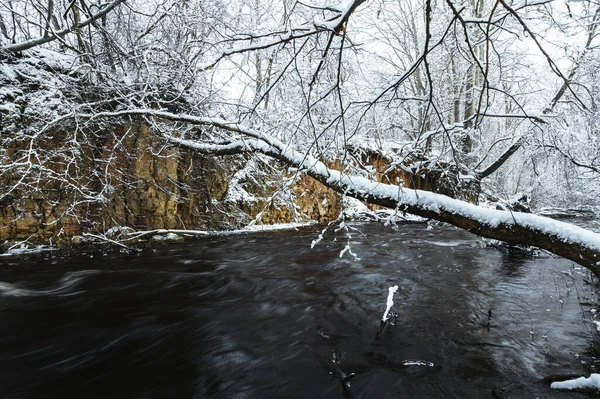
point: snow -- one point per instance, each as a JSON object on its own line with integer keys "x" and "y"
{"x": 417, "y": 363}
{"x": 390, "y": 302}
{"x": 167, "y": 237}
{"x": 333, "y": 23}
{"x": 236, "y": 192}
{"x": 248, "y": 229}
{"x": 353, "y": 207}
{"x": 43, "y": 69}
{"x": 116, "y": 230}
{"x": 172, "y": 233}
{"x": 592, "y": 382}
{"x": 348, "y": 249}
{"x": 24, "y": 250}
{"x": 264, "y": 227}
{"x": 8, "y": 72}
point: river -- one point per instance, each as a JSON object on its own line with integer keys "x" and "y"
{"x": 265, "y": 316}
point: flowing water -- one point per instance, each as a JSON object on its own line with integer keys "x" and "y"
{"x": 266, "y": 316}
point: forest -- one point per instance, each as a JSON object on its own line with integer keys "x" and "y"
{"x": 164, "y": 114}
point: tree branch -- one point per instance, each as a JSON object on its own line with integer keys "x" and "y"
{"x": 500, "y": 160}
{"x": 28, "y": 44}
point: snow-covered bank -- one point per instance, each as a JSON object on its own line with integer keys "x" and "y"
{"x": 25, "y": 250}
{"x": 128, "y": 238}
{"x": 592, "y": 382}
{"x": 263, "y": 227}
{"x": 255, "y": 228}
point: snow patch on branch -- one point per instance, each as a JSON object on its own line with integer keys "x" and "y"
{"x": 236, "y": 193}
{"x": 270, "y": 227}
{"x": 333, "y": 24}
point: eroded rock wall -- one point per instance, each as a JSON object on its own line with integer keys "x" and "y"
{"x": 126, "y": 176}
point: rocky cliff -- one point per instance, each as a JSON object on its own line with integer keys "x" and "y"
{"x": 125, "y": 176}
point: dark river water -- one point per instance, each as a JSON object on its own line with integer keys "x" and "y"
{"x": 265, "y": 316}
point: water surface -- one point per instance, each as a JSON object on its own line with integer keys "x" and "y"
{"x": 266, "y": 316}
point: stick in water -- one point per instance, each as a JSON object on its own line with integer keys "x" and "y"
{"x": 389, "y": 304}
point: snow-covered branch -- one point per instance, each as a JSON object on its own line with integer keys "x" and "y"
{"x": 53, "y": 35}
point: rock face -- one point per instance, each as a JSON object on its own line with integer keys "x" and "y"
{"x": 57, "y": 185}
{"x": 126, "y": 176}
{"x": 437, "y": 177}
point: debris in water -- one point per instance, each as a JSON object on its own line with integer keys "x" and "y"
{"x": 390, "y": 302}
{"x": 388, "y": 311}
{"x": 417, "y": 363}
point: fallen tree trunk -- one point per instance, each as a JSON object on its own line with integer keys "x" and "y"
{"x": 566, "y": 240}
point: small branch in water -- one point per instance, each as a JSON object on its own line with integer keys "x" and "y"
{"x": 138, "y": 234}
{"x": 380, "y": 329}
{"x": 335, "y": 370}
{"x": 388, "y": 310}
{"x": 108, "y": 240}
{"x": 389, "y": 302}
{"x": 382, "y": 325}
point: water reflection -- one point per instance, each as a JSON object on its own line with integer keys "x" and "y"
{"x": 512, "y": 263}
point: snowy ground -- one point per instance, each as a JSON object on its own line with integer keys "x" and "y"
{"x": 264, "y": 227}
{"x": 592, "y": 382}
{"x": 24, "y": 249}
